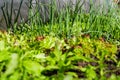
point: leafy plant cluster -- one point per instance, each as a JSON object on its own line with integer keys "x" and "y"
{"x": 51, "y": 58}
{"x": 68, "y": 22}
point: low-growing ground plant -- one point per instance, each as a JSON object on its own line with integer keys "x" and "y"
{"x": 48, "y": 57}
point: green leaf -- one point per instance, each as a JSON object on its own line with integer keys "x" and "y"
{"x": 16, "y": 76}
{"x": 52, "y": 67}
{"x": 12, "y": 64}
{"x": 4, "y": 55}
{"x": 2, "y": 45}
{"x": 72, "y": 74}
{"x": 113, "y": 77}
{"x": 33, "y": 67}
{"x": 40, "y": 56}
{"x": 48, "y": 42}
{"x": 68, "y": 77}
{"x": 90, "y": 72}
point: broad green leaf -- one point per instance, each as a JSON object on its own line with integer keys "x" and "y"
{"x": 2, "y": 45}
{"x": 4, "y": 55}
{"x": 15, "y": 76}
{"x": 68, "y": 77}
{"x": 12, "y": 64}
{"x": 90, "y": 72}
{"x": 33, "y": 67}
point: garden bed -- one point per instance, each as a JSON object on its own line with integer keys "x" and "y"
{"x": 52, "y": 58}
